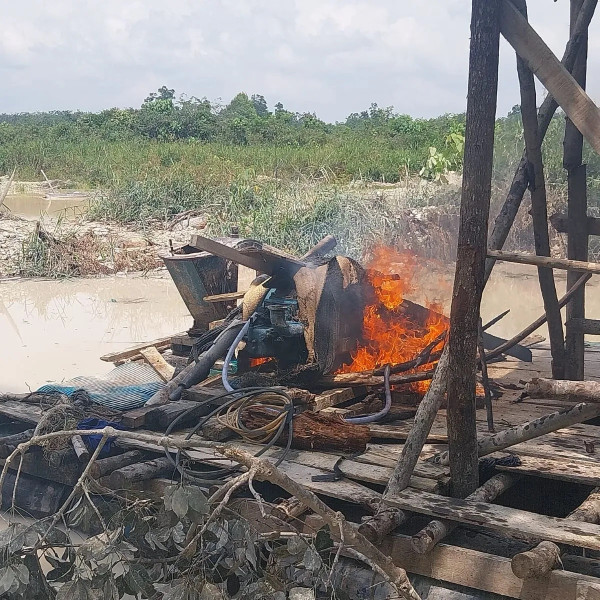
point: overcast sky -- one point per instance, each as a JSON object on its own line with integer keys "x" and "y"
{"x": 332, "y": 57}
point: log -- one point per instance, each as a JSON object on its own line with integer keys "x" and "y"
{"x": 472, "y": 243}
{"x": 540, "y": 560}
{"x": 314, "y": 431}
{"x": 545, "y": 261}
{"x": 539, "y": 210}
{"x": 436, "y": 530}
{"x": 105, "y": 466}
{"x": 511, "y": 205}
{"x": 370, "y": 380}
{"x": 155, "y": 359}
{"x": 126, "y": 477}
{"x": 578, "y": 391}
{"x": 536, "y": 562}
{"x": 9, "y": 442}
{"x": 81, "y": 450}
{"x": 533, "y": 429}
{"x": 538, "y": 322}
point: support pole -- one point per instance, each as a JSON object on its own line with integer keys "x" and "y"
{"x": 539, "y": 210}
{"x": 577, "y": 240}
{"x": 472, "y": 244}
{"x": 511, "y": 205}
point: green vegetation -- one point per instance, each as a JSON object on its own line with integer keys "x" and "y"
{"x": 278, "y": 175}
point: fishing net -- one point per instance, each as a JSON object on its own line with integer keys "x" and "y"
{"x": 126, "y": 387}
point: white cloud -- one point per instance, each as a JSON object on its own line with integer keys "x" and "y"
{"x": 328, "y": 56}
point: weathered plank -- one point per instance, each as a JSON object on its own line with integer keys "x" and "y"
{"x": 133, "y": 353}
{"x": 488, "y": 572}
{"x": 155, "y": 359}
{"x": 578, "y": 106}
{"x": 509, "y": 521}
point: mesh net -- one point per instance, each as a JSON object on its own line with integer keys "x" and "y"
{"x": 128, "y": 386}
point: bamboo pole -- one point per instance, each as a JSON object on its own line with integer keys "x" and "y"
{"x": 511, "y": 205}
{"x": 472, "y": 244}
{"x": 539, "y": 210}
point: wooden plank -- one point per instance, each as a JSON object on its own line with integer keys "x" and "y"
{"x": 336, "y": 396}
{"x": 575, "y": 471}
{"x": 560, "y": 222}
{"x": 264, "y": 260}
{"x": 228, "y": 297}
{"x": 578, "y": 106}
{"x": 487, "y": 572}
{"x": 509, "y": 521}
{"x": 545, "y": 261}
{"x": 133, "y": 352}
{"x": 155, "y": 359}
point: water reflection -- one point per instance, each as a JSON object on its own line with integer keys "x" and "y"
{"x": 53, "y": 330}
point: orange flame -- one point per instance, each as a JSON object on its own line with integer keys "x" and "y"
{"x": 391, "y": 334}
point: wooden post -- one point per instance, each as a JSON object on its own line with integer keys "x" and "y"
{"x": 472, "y": 243}
{"x": 511, "y": 205}
{"x": 577, "y": 241}
{"x": 539, "y": 211}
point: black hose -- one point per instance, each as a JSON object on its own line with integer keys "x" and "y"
{"x": 384, "y": 411}
{"x": 217, "y": 476}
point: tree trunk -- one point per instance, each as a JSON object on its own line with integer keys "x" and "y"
{"x": 472, "y": 244}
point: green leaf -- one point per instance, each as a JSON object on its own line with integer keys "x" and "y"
{"x": 197, "y": 500}
{"x": 75, "y": 589}
{"x": 296, "y": 545}
{"x": 323, "y": 540}
{"x": 22, "y": 573}
{"x": 311, "y": 560}
{"x": 7, "y": 579}
{"x": 110, "y": 590}
{"x": 168, "y": 495}
{"x": 179, "y": 502}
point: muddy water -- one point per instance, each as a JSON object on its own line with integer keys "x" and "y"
{"x": 54, "y": 330}
{"x": 65, "y": 204}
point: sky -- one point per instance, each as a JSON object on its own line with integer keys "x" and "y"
{"x": 331, "y": 57}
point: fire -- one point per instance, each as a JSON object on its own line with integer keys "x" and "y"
{"x": 256, "y": 362}
{"x": 392, "y": 333}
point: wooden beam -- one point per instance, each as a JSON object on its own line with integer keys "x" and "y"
{"x": 544, "y": 261}
{"x": 539, "y": 210}
{"x": 472, "y": 243}
{"x": 508, "y": 521}
{"x": 585, "y": 326}
{"x": 487, "y": 572}
{"x": 560, "y": 222}
{"x": 228, "y": 297}
{"x": 578, "y": 106}
{"x": 515, "y": 194}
